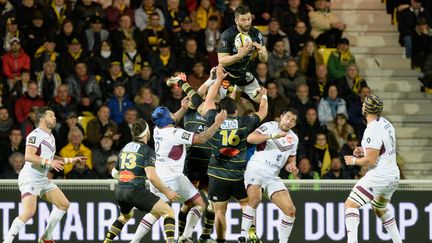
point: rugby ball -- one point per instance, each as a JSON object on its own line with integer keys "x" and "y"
{"x": 241, "y": 39}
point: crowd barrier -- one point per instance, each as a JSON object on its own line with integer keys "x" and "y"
{"x": 320, "y": 213}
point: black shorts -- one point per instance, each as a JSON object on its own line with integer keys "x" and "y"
{"x": 128, "y": 198}
{"x": 243, "y": 80}
{"x": 197, "y": 174}
{"x": 222, "y": 190}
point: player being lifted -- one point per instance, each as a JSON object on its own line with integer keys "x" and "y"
{"x": 170, "y": 158}
{"x": 228, "y": 163}
{"x": 235, "y": 60}
{"x": 378, "y": 152}
{"x": 135, "y": 165}
{"x": 33, "y": 181}
{"x": 277, "y": 147}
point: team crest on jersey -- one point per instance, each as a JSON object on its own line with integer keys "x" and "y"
{"x": 223, "y": 44}
{"x": 368, "y": 140}
{"x": 32, "y": 140}
{"x": 263, "y": 128}
{"x": 230, "y": 124}
{"x": 186, "y": 136}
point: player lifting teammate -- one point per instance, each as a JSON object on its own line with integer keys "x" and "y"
{"x": 277, "y": 148}
{"x": 236, "y": 60}
{"x": 33, "y": 181}
{"x": 378, "y": 152}
{"x": 135, "y": 165}
{"x": 228, "y": 163}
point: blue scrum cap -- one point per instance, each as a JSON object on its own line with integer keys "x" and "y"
{"x": 161, "y": 116}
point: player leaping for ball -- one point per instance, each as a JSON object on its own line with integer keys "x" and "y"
{"x": 33, "y": 181}
{"x": 378, "y": 152}
{"x": 277, "y": 148}
{"x": 236, "y": 47}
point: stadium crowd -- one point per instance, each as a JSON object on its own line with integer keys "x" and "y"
{"x": 111, "y": 60}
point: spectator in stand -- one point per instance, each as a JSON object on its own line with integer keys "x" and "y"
{"x": 262, "y": 74}
{"x": 63, "y": 104}
{"x": 198, "y": 75}
{"x": 291, "y": 15}
{"x": 97, "y": 127}
{"x": 144, "y": 15}
{"x": 201, "y": 15}
{"x": 115, "y": 11}
{"x": 321, "y": 153}
{"x": 69, "y": 59}
{"x": 57, "y": 12}
{"x": 15, "y": 90}
{"x": 46, "y": 52}
{"x": 126, "y": 30}
{"x": 228, "y": 18}
{"x": 260, "y": 11}
{"x": 326, "y": 27}
{"x": 336, "y": 171}
{"x": 305, "y": 171}
{"x": 340, "y": 129}
{"x": 289, "y": 78}
{"x": 16, "y": 162}
{"x": 48, "y": 81}
{"x": 67, "y": 34}
{"x": 212, "y": 36}
{"x": 407, "y": 20}
{"x": 110, "y": 165}
{"x": 163, "y": 61}
{"x": 348, "y": 149}
{"x": 179, "y": 38}
{"x": 25, "y": 103}
{"x": 6, "y": 124}
{"x": 319, "y": 85}
{"x": 146, "y": 78}
{"x": 340, "y": 59}
{"x": 7, "y": 10}
{"x": 101, "y": 154}
{"x": 83, "y": 13}
{"x": 131, "y": 58}
{"x": 15, "y": 61}
{"x": 331, "y": 105}
{"x": 94, "y": 36}
{"x": 119, "y": 103}
{"x": 75, "y": 148}
{"x": 302, "y": 101}
{"x": 275, "y": 34}
{"x": 174, "y": 16}
{"x": 11, "y": 31}
{"x": 277, "y": 104}
{"x": 298, "y": 39}
{"x": 153, "y": 33}
{"x": 422, "y": 43}
{"x": 278, "y": 58}
{"x": 84, "y": 87}
{"x": 310, "y": 58}
{"x": 355, "y": 114}
{"x": 101, "y": 59}
{"x": 145, "y": 103}
{"x": 114, "y": 75}
{"x": 81, "y": 170}
{"x": 63, "y": 133}
{"x": 37, "y": 33}
{"x": 124, "y": 128}
{"x": 14, "y": 144}
{"x": 29, "y": 123}
{"x": 190, "y": 56}
{"x": 350, "y": 85}
{"x": 308, "y": 130}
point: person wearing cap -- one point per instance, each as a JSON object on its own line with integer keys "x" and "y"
{"x": 57, "y": 12}
{"x": 14, "y": 61}
{"x": 126, "y": 30}
{"x": 71, "y": 57}
{"x": 178, "y": 39}
{"x": 25, "y": 12}
{"x": 340, "y": 59}
{"x": 170, "y": 148}
{"x": 46, "y": 52}
{"x": 37, "y": 32}
{"x": 163, "y": 61}
{"x": 101, "y": 154}
{"x": 146, "y": 77}
{"x": 94, "y": 35}
{"x": 114, "y": 75}
{"x": 11, "y": 32}
{"x": 326, "y": 27}
{"x": 119, "y": 103}
{"x": 84, "y": 11}
{"x": 376, "y": 187}
{"x": 348, "y": 149}
{"x": 275, "y": 34}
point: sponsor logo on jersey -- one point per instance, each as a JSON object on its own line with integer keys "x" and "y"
{"x": 230, "y": 124}
{"x": 231, "y": 152}
{"x": 126, "y": 176}
{"x": 186, "y": 136}
{"x": 32, "y": 140}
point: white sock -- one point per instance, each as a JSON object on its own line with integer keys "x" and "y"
{"x": 389, "y": 223}
{"x": 144, "y": 227}
{"x": 55, "y": 217}
{"x": 352, "y": 221}
{"x": 285, "y": 228}
{"x": 247, "y": 220}
{"x": 16, "y": 226}
{"x": 192, "y": 219}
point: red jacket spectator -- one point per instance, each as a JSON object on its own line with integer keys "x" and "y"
{"x": 15, "y": 60}
{"x": 27, "y": 101}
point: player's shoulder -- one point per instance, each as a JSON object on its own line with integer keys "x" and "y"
{"x": 270, "y": 125}
{"x": 231, "y": 31}
{"x": 294, "y": 135}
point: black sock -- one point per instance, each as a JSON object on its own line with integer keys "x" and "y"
{"x": 220, "y": 241}
{"x": 195, "y": 97}
{"x": 253, "y": 228}
{"x": 209, "y": 217}
{"x": 169, "y": 228}
{"x": 181, "y": 222}
{"x": 115, "y": 230}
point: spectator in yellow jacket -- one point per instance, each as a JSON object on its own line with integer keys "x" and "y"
{"x": 76, "y": 148}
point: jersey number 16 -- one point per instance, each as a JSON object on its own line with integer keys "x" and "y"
{"x": 230, "y": 137}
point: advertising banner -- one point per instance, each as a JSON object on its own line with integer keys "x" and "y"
{"x": 319, "y": 218}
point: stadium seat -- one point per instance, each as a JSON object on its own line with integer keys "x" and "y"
{"x": 83, "y": 120}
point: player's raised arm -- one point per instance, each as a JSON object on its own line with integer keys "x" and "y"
{"x": 183, "y": 109}
{"x": 262, "y": 52}
{"x": 207, "y": 134}
{"x": 263, "y": 108}
{"x": 209, "y": 102}
{"x": 225, "y": 59}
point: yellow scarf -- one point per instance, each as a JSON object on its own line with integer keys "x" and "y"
{"x": 121, "y": 7}
{"x": 165, "y": 59}
{"x": 202, "y": 16}
{"x": 60, "y": 15}
{"x": 41, "y": 50}
{"x": 321, "y": 86}
{"x": 356, "y": 84}
{"x": 326, "y": 163}
{"x": 345, "y": 58}
{"x": 135, "y": 60}
{"x": 76, "y": 56}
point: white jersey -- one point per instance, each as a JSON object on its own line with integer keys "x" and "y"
{"x": 380, "y": 134}
{"x": 170, "y": 148}
{"x": 273, "y": 154}
{"x": 46, "y": 148}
